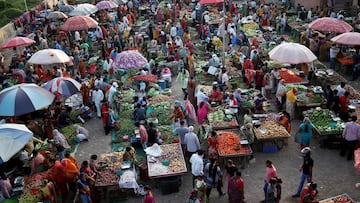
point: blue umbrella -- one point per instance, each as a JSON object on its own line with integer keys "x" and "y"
{"x": 23, "y": 98}
{"x": 13, "y": 137}
{"x": 66, "y": 8}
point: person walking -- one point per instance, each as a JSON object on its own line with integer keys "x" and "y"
{"x": 350, "y": 136}
{"x": 181, "y": 132}
{"x": 306, "y": 169}
{"x": 192, "y": 142}
{"x": 98, "y": 97}
{"x": 305, "y": 129}
{"x": 236, "y": 188}
{"x": 271, "y": 172}
{"x": 149, "y": 196}
{"x": 213, "y": 176}
{"x": 183, "y": 76}
{"x": 197, "y": 165}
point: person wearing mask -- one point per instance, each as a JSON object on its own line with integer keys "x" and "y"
{"x": 306, "y": 130}
{"x": 306, "y": 170}
{"x": 181, "y": 132}
{"x": 350, "y": 136}
{"x": 197, "y": 165}
{"x": 236, "y": 188}
{"x": 97, "y": 97}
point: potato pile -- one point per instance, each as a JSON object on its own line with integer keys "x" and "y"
{"x": 107, "y": 177}
{"x": 176, "y": 165}
{"x": 270, "y": 129}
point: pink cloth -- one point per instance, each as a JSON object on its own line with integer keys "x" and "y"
{"x": 190, "y": 110}
{"x": 270, "y": 173}
{"x": 143, "y": 134}
{"x": 5, "y": 187}
{"x": 203, "y": 112}
{"x": 36, "y": 162}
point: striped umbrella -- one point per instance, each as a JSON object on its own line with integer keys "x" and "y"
{"x": 23, "y": 98}
{"x": 65, "y": 87}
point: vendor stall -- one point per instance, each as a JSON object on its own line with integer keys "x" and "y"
{"x": 218, "y": 121}
{"x": 270, "y": 136}
{"x": 233, "y": 145}
{"x": 343, "y": 198}
{"x": 290, "y": 76}
{"x": 327, "y": 126}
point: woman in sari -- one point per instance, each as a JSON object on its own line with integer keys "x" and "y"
{"x": 177, "y": 114}
{"x": 236, "y": 188}
{"x": 149, "y": 196}
{"x": 212, "y": 146}
{"x": 202, "y": 111}
{"x": 190, "y": 113}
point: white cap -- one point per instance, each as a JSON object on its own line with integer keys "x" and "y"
{"x": 191, "y": 128}
{"x": 115, "y": 84}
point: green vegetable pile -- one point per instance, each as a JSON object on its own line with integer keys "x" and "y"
{"x": 248, "y": 104}
{"x": 127, "y": 96}
{"x": 303, "y": 99}
{"x": 126, "y": 128}
{"x": 216, "y": 116}
{"x": 163, "y": 112}
{"x": 166, "y": 131}
{"x": 299, "y": 88}
{"x": 126, "y": 110}
{"x": 323, "y": 122}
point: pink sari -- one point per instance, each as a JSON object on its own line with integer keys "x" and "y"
{"x": 203, "y": 112}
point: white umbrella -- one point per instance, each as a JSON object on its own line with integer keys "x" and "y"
{"x": 56, "y": 15}
{"x": 49, "y": 56}
{"x": 292, "y": 53}
{"x": 13, "y": 137}
{"x": 83, "y": 9}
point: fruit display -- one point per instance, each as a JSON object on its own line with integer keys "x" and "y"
{"x": 270, "y": 129}
{"x": 216, "y": 116}
{"x": 289, "y": 76}
{"x": 112, "y": 160}
{"x": 344, "y": 198}
{"x": 107, "y": 177}
{"x": 163, "y": 111}
{"x": 171, "y": 161}
{"x": 229, "y": 142}
{"x": 322, "y": 119}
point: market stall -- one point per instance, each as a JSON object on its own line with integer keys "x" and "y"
{"x": 290, "y": 76}
{"x": 233, "y": 145}
{"x": 343, "y": 198}
{"x": 219, "y": 121}
{"x": 270, "y": 136}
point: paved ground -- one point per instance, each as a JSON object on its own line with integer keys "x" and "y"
{"x": 334, "y": 174}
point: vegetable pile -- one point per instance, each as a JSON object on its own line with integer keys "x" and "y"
{"x": 113, "y": 159}
{"x": 309, "y": 98}
{"x": 126, "y": 128}
{"x": 127, "y": 109}
{"x": 229, "y": 143}
{"x": 216, "y": 116}
{"x": 270, "y": 129}
{"x": 289, "y": 76}
{"x": 107, "y": 177}
{"x": 166, "y": 133}
{"x": 163, "y": 112}
{"x": 248, "y": 104}
{"x": 161, "y": 98}
{"x": 338, "y": 199}
{"x": 323, "y": 122}
{"x": 224, "y": 124}
{"x": 127, "y": 95}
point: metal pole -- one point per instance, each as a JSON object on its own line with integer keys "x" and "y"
{"x": 223, "y": 45}
{"x": 26, "y": 7}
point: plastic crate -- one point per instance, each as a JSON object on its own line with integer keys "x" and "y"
{"x": 269, "y": 148}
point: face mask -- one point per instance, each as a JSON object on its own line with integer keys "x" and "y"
{"x": 199, "y": 183}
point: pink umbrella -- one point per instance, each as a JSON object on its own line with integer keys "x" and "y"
{"x": 129, "y": 59}
{"x": 327, "y": 24}
{"x": 211, "y": 1}
{"x": 348, "y": 38}
{"x": 292, "y": 53}
{"x": 79, "y": 23}
{"x": 106, "y": 5}
{"x": 17, "y": 41}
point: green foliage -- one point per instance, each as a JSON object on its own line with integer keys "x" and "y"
{"x": 13, "y": 9}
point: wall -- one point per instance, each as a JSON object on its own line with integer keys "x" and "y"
{"x": 308, "y": 3}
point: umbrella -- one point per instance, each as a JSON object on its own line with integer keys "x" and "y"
{"x": 327, "y": 24}
{"x": 17, "y": 41}
{"x": 56, "y": 15}
{"x": 13, "y": 137}
{"x": 348, "y": 38}
{"x": 146, "y": 78}
{"x": 292, "y": 53}
{"x": 63, "y": 86}
{"x": 211, "y": 1}
{"x": 49, "y": 56}
{"x": 79, "y": 23}
{"x": 23, "y": 98}
{"x": 106, "y": 5}
{"x": 66, "y": 8}
{"x": 83, "y": 9}
{"x": 129, "y": 59}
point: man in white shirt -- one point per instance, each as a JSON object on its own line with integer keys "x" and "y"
{"x": 341, "y": 89}
{"x": 98, "y": 96}
{"x": 206, "y": 18}
{"x": 77, "y": 36}
{"x": 197, "y": 164}
{"x": 179, "y": 42}
{"x": 112, "y": 90}
{"x": 173, "y": 32}
{"x": 333, "y": 53}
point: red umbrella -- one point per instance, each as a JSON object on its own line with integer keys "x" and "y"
{"x": 79, "y": 23}
{"x": 211, "y": 1}
{"x": 17, "y": 41}
{"x": 146, "y": 78}
{"x": 327, "y": 24}
{"x": 348, "y": 38}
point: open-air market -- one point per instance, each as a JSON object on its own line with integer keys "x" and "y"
{"x": 181, "y": 101}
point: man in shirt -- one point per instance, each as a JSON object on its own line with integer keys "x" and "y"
{"x": 192, "y": 142}
{"x": 341, "y": 89}
{"x": 350, "y": 135}
{"x": 98, "y": 97}
{"x": 197, "y": 164}
{"x": 306, "y": 170}
{"x": 181, "y": 131}
{"x": 333, "y": 53}
{"x": 271, "y": 172}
